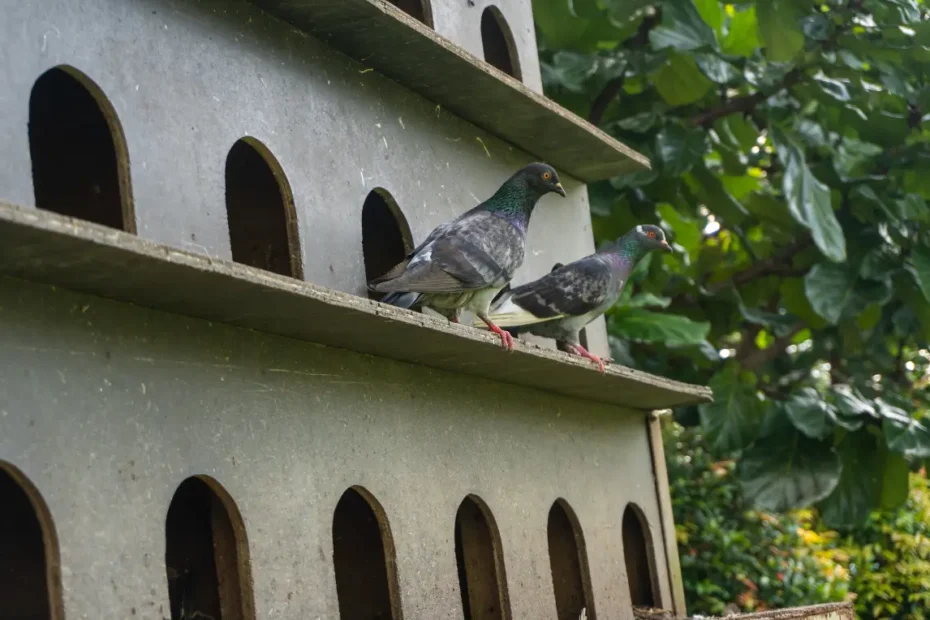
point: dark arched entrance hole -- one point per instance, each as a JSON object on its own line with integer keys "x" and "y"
{"x": 482, "y": 578}
{"x": 30, "y": 586}
{"x": 637, "y": 553}
{"x": 80, "y": 167}
{"x": 206, "y": 554}
{"x": 260, "y": 210}
{"x": 386, "y": 238}
{"x": 417, "y": 9}
{"x": 568, "y": 560}
{"x": 499, "y": 48}
{"x": 363, "y": 557}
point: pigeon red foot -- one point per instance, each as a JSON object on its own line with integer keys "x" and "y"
{"x": 506, "y": 338}
{"x": 580, "y": 350}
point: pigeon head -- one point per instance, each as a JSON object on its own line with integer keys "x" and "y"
{"x": 540, "y": 179}
{"x": 642, "y": 240}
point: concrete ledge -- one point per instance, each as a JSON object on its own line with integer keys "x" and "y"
{"x": 386, "y": 39}
{"x": 828, "y": 611}
{"x": 41, "y": 246}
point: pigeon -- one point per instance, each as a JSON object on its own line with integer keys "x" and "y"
{"x": 463, "y": 264}
{"x": 559, "y": 304}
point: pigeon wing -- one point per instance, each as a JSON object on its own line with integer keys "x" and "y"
{"x": 573, "y": 290}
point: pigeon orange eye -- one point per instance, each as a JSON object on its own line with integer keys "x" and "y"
{"x": 651, "y": 235}
{"x": 547, "y": 176}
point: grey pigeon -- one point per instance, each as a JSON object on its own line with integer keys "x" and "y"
{"x": 559, "y": 304}
{"x": 463, "y": 264}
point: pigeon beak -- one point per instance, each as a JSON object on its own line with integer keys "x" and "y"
{"x": 666, "y": 247}
{"x": 560, "y": 190}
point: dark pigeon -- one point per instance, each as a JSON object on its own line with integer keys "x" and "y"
{"x": 561, "y": 303}
{"x": 463, "y": 264}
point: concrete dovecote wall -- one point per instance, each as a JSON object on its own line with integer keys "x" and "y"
{"x": 113, "y": 407}
{"x": 191, "y": 79}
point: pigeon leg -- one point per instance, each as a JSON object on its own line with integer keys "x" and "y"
{"x": 506, "y": 338}
{"x": 580, "y": 350}
{"x": 454, "y": 319}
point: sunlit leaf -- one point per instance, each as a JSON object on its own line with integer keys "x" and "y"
{"x": 682, "y": 28}
{"x": 647, "y": 326}
{"x": 733, "y": 420}
{"x": 780, "y": 29}
{"x": 680, "y": 82}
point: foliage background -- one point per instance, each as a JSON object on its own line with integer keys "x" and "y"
{"x": 790, "y": 153}
{"x": 736, "y": 558}
{"x": 791, "y": 165}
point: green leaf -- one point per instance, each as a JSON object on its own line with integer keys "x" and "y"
{"x": 859, "y": 490}
{"x": 833, "y": 88}
{"x": 716, "y": 197}
{"x": 852, "y": 409}
{"x": 717, "y": 69}
{"x": 669, "y": 329}
{"x": 741, "y": 38}
{"x": 781, "y": 324}
{"x": 680, "y": 82}
{"x": 913, "y": 208}
{"x": 682, "y": 28}
{"x": 905, "y": 435}
{"x": 788, "y": 470}
{"x": 919, "y": 266}
{"x": 711, "y": 11}
{"x": 573, "y": 69}
{"x": 686, "y": 231}
{"x": 679, "y": 148}
{"x": 733, "y": 420}
{"x": 894, "y": 482}
{"x": 810, "y": 413}
{"x": 830, "y": 288}
{"x": 779, "y": 29}
{"x": 809, "y": 200}
{"x": 795, "y": 301}
{"x": 648, "y": 300}
{"x": 854, "y": 158}
{"x": 639, "y": 123}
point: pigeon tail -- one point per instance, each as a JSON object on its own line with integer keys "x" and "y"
{"x": 402, "y": 299}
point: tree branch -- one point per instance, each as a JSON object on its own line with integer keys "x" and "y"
{"x": 775, "y": 265}
{"x": 611, "y": 89}
{"x": 745, "y": 103}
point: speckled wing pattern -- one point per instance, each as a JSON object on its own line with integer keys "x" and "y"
{"x": 575, "y": 289}
{"x": 474, "y": 252}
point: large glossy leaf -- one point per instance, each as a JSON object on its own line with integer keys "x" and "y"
{"x": 780, "y": 324}
{"x": 716, "y": 197}
{"x": 830, "y": 288}
{"x": 682, "y": 28}
{"x": 788, "y": 470}
{"x": 809, "y": 199}
{"x": 810, "y": 413}
{"x": 680, "y": 82}
{"x": 920, "y": 267}
{"x": 906, "y": 436}
{"x": 831, "y": 87}
{"x": 867, "y": 469}
{"x": 854, "y": 158}
{"x": 733, "y": 420}
{"x": 679, "y": 148}
{"x": 647, "y": 300}
{"x": 669, "y": 329}
{"x": 717, "y": 69}
{"x": 780, "y": 29}
{"x": 741, "y": 38}
{"x": 573, "y": 69}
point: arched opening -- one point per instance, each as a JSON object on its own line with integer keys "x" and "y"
{"x": 386, "y": 237}
{"x": 480, "y": 559}
{"x": 417, "y": 9}
{"x": 364, "y": 560}
{"x": 207, "y": 554}
{"x": 260, "y": 211}
{"x": 499, "y": 48}
{"x": 30, "y": 569}
{"x": 568, "y": 560}
{"x": 80, "y": 165}
{"x": 638, "y": 555}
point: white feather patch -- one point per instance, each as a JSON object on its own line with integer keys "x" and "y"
{"x": 509, "y": 314}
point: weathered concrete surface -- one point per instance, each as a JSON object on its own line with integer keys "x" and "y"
{"x": 829, "y": 611}
{"x": 188, "y": 78}
{"x": 47, "y": 247}
{"x": 107, "y": 407}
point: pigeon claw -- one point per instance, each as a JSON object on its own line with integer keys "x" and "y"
{"x": 506, "y": 338}
{"x": 581, "y": 351}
